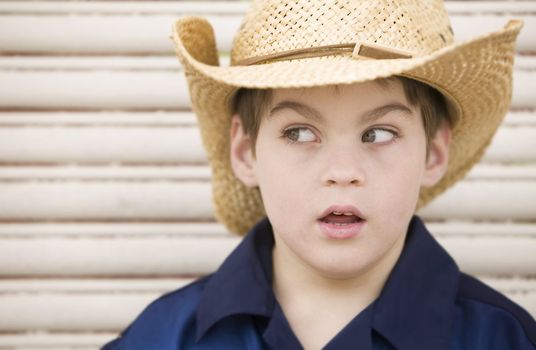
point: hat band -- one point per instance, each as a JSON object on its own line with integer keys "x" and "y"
{"x": 360, "y": 49}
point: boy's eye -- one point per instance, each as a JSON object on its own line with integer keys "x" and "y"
{"x": 378, "y": 135}
{"x": 299, "y": 134}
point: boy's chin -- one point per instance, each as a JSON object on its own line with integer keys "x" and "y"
{"x": 341, "y": 270}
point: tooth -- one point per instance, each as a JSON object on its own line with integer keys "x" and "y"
{"x": 348, "y": 214}
{"x": 337, "y": 213}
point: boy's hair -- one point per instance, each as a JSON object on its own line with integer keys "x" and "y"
{"x": 251, "y": 105}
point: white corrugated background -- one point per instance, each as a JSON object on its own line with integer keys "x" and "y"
{"x": 104, "y": 187}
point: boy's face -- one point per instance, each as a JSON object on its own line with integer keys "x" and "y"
{"x": 358, "y": 149}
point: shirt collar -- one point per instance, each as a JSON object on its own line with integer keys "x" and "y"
{"x": 414, "y": 310}
{"x": 243, "y": 283}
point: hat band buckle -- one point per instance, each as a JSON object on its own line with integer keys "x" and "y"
{"x": 357, "y": 50}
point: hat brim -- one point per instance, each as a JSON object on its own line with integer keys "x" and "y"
{"x": 475, "y": 76}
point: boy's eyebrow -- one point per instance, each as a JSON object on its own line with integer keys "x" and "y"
{"x": 368, "y": 116}
{"x": 304, "y": 110}
{"x": 378, "y": 112}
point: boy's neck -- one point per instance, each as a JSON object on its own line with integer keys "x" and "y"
{"x": 317, "y": 306}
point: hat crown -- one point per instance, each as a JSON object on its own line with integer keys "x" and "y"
{"x": 275, "y": 26}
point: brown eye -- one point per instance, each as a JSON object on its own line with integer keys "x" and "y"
{"x": 378, "y": 136}
{"x": 299, "y": 135}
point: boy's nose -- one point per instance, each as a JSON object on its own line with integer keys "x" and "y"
{"x": 343, "y": 169}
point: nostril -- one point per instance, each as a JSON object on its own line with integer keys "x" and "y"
{"x": 343, "y": 176}
{"x": 354, "y": 182}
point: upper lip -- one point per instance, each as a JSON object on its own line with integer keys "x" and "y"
{"x": 342, "y": 209}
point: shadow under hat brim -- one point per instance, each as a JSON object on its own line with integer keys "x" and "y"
{"x": 475, "y": 76}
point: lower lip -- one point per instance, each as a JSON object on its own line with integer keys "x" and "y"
{"x": 346, "y": 231}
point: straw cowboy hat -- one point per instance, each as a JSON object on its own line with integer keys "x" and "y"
{"x": 305, "y": 43}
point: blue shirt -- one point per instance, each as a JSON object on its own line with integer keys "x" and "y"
{"x": 426, "y": 303}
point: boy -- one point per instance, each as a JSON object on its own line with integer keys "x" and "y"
{"x": 344, "y": 117}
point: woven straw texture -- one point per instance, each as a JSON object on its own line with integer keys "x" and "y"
{"x": 417, "y": 26}
{"x": 475, "y": 76}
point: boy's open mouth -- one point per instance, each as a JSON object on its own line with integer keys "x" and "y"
{"x": 341, "y": 222}
{"x": 341, "y": 218}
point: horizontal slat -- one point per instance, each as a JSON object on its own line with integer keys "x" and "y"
{"x": 142, "y": 173}
{"x": 505, "y": 173}
{"x": 135, "y": 29}
{"x": 222, "y": 7}
{"x": 188, "y": 200}
{"x": 472, "y": 24}
{"x": 478, "y": 200}
{"x": 147, "y": 119}
{"x": 108, "y": 63}
{"x": 176, "y": 256}
{"x": 141, "y": 229}
{"x": 104, "y": 200}
{"x": 165, "y": 144}
{"x": 83, "y": 311}
{"x": 158, "y": 118}
{"x": 109, "y": 7}
{"x": 128, "y": 256}
{"x": 131, "y": 285}
{"x": 135, "y": 144}
{"x": 202, "y": 172}
{"x": 93, "y": 286}
{"x": 126, "y": 33}
{"x": 144, "y": 89}
{"x": 512, "y": 145}
{"x": 101, "y": 286}
{"x": 71, "y": 312}
{"x": 491, "y": 258}
{"x": 93, "y": 90}
{"x": 213, "y": 229}
{"x": 137, "y": 63}
{"x": 481, "y": 229}
{"x": 55, "y": 341}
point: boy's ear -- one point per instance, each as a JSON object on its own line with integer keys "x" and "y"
{"x": 438, "y": 158}
{"x": 242, "y": 158}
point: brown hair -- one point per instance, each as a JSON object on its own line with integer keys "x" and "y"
{"x": 251, "y": 104}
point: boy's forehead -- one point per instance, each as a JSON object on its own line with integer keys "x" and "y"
{"x": 369, "y": 91}
{"x": 366, "y": 101}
